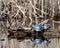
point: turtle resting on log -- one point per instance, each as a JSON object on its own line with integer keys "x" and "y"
{"x": 38, "y": 34}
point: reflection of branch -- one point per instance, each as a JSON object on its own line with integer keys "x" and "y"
{"x": 56, "y": 21}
